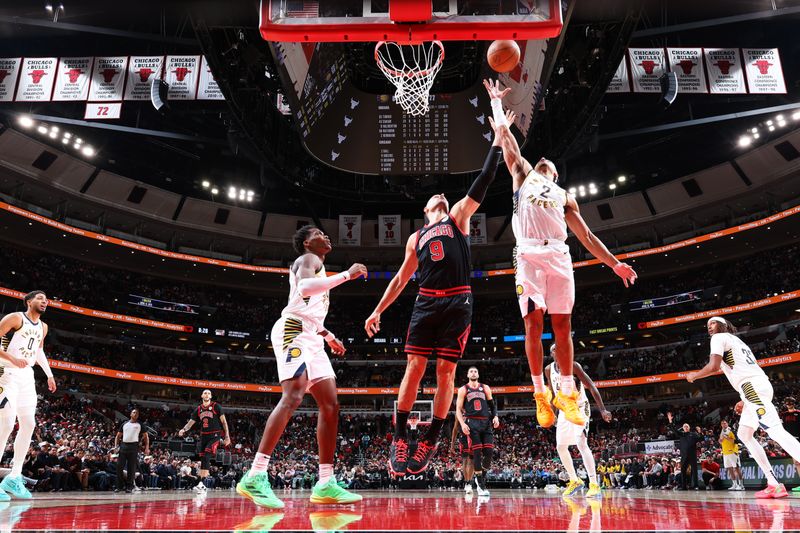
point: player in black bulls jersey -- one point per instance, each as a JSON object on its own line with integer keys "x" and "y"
{"x": 476, "y": 413}
{"x": 213, "y": 430}
{"x": 442, "y": 314}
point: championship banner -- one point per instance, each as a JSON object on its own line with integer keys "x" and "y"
{"x": 660, "y": 447}
{"x": 182, "y": 75}
{"x": 389, "y": 230}
{"x": 764, "y": 71}
{"x": 208, "y": 89}
{"x": 620, "y": 83}
{"x": 9, "y": 72}
{"x": 72, "y": 80}
{"x": 725, "y": 74}
{"x": 141, "y": 72}
{"x": 350, "y": 230}
{"x": 36, "y": 79}
{"x": 477, "y": 228}
{"x": 687, "y": 64}
{"x": 108, "y": 79}
{"x": 647, "y": 66}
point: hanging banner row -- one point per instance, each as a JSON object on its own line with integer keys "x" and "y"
{"x": 701, "y": 70}
{"x": 389, "y": 230}
{"x": 104, "y": 79}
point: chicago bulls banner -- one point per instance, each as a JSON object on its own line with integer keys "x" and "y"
{"x": 764, "y": 71}
{"x": 182, "y": 75}
{"x": 141, "y": 72}
{"x": 687, "y": 64}
{"x": 72, "y": 80}
{"x": 36, "y": 79}
{"x": 108, "y": 79}
{"x": 620, "y": 83}
{"x": 9, "y": 72}
{"x": 647, "y": 66}
{"x": 477, "y": 228}
{"x": 725, "y": 75}
{"x": 208, "y": 89}
{"x": 349, "y": 230}
{"x": 389, "y": 230}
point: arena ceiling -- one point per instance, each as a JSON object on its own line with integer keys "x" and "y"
{"x": 246, "y": 142}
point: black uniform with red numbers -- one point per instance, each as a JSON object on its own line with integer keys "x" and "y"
{"x": 478, "y": 415}
{"x": 210, "y": 428}
{"x": 442, "y": 315}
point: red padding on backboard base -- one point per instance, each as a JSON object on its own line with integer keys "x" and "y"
{"x": 402, "y": 11}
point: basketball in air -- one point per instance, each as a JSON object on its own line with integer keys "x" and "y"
{"x": 503, "y": 56}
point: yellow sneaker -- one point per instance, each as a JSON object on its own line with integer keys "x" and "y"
{"x": 332, "y": 520}
{"x": 544, "y": 411}
{"x": 574, "y": 486}
{"x": 569, "y": 406}
{"x": 576, "y": 508}
{"x": 594, "y": 491}
{"x": 262, "y": 522}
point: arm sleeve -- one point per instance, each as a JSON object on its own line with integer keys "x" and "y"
{"x": 315, "y": 286}
{"x": 481, "y": 184}
{"x": 41, "y": 359}
{"x": 194, "y": 416}
{"x": 492, "y": 407}
{"x": 718, "y": 344}
{"x": 220, "y": 412}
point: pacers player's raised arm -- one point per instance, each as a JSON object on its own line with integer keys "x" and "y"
{"x": 517, "y": 165}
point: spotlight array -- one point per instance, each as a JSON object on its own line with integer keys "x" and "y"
{"x": 233, "y": 192}
{"x": 54, "y": 132}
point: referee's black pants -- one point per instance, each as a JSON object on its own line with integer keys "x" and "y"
{"x": 128, "y": 460}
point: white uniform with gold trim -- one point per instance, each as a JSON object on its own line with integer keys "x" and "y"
{"x": 18, "y": 388}
{"x": 741, "y": 368}
{"x": 295, "y": 336}
{"x": 566, "y": 432}
{"x": 542, "y": 264}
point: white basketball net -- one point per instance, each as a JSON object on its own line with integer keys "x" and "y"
{"x": 411, "y": 68}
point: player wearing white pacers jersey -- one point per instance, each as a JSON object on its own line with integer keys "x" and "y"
{"x": 571, "y": 434}
{"x": 544, "y": 282}
{"x": 303, "y": 366}
{"x": 737, "y": 362}
{"x": 17, "y": 386}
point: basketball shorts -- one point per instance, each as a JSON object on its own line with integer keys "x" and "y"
{"x": 298, "y": 349}
{"x": 209, "y": 444}
{"x": 464, "y": 444}
{"x": 544, "y": 278}
{"x": 567, "y": 433}
{"x": 440, "y": 326}
{"x": 731, "y": 460}
{"x": 758, "y": 411}
{"x": 17, "y": 391}
{"x": 480, "y": 433}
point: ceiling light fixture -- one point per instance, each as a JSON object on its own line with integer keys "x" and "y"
{"x": 88, "y": 151}
{"x": 25, "y": 121}
{"x": 42, "y": 130}
{"x": 206, "y": 184}
{"x": 745, "y": 140}
{"x": 612, "y": 186}
{"x": 621, "y": 179}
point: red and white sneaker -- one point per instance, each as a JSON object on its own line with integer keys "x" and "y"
{"x": 777, "y": 491}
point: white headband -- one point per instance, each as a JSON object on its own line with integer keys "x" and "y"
{"x": 718, "y": 319}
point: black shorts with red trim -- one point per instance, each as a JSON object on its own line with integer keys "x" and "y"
{"x": 481, "y": 433}
{"x": 209, "y": 443}
{"x": 464, "y": 444}
{"x": 440, "y": 323}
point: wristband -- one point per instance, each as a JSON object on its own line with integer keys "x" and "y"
{"x": 497, "y": 111}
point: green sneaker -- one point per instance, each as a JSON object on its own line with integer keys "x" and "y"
{"x": 261, "y": 522}
{"x": 15, "y": 486}
{"x": 331, "y": 492}
{"x": 796, "y": 489}
{"x": 257, "y": 488}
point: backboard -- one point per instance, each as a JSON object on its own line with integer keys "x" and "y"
{"x": 406, "y": 21}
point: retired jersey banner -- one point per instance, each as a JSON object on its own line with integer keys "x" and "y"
{"x": 36, "y": 79}
{"x": 9, "y": 72}
{"x": 141, "y": 72}
{"x": 647, "y": 66}
{"x": 621, "y": 82}
{"x": 687, "y": 64}
{"x": 764, "y": 71}
{"x": 72, "y": 80}
{"x": 108, "y": 79}
{"x": 182, "y": 75}
{"x": 477, "y": 228}
{"x": 350, "y": 230}
{"x": 725, "y": 73}
{"x": 208, "y": 89}
{"x": 389, "y": 230}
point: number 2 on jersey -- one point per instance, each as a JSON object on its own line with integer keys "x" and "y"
{"x": 437, "y": 250}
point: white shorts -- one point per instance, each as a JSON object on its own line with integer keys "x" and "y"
{"x": 298, "y": 348}
{"x": 17, "y": 391}
{"x": 758, "y": 411}
{"x": 567, "y": 433}
{"x": 543, "y": 275}
{"x": 731, "y": 460}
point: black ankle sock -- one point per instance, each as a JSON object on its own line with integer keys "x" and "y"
{"x": 432, "y": 436}
{"x": 401, "y": 424}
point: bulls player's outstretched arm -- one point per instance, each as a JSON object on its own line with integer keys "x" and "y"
{"x": 574, "y": 220}
{"x": 396, "y": 286}
{"x": 9, "y": 322}
{"x": 517, "y": 165}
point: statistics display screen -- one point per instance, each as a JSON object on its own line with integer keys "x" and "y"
{"x": 144, "y": 301}
{"x": 666, "y": 301}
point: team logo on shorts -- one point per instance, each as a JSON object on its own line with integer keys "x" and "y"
{"x": 520, "y": 290}
{"x": 294, "y": 353}
{"x": 761, "y": 411}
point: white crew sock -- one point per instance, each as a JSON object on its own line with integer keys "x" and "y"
{"x": 260, "y": 463}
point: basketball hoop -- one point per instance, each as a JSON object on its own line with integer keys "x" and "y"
{"x": 411, "y": 68}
